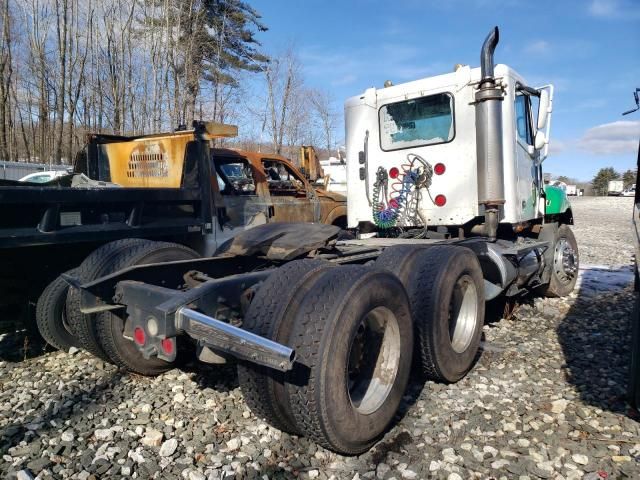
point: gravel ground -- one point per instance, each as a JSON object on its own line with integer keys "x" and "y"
{"x": 545, "y": 400}
{"x": 603, "y": 229}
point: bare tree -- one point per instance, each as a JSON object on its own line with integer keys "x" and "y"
{"x": 283, "y": 83}
{"x": 6, "y": 70}
{"x": 117, "y": 66}
{"x": 322, "y": 103}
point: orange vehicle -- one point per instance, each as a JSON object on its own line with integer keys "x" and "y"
{"x": 274, "y": 181}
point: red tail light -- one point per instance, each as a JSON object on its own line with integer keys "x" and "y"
{"x": 394, "y": 172}
{"x": 138, "y": 336}
{"x": 167, "y": 346}
{"x": 440, "y": 200}
{"x": 439, "y": 168}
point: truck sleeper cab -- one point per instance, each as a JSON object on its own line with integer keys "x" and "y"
{"x": 435, "y": 118}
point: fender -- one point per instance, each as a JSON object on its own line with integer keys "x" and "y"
{"x": 337, "y": 212}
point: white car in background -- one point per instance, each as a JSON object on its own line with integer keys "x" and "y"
{"x": 629, "y": 192}
{"x": 43, "y": 177}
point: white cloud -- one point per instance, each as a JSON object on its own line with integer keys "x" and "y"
{"x": 613, "y": 138}
{"x": 539, "y": 47}
{"x": 615, "y": 9}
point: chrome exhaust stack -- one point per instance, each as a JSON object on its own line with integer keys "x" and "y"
{"x": 223, "y": 337}
{"x": 488, "y": 99}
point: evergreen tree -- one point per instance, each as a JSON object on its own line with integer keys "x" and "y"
{"x": 211, "y": 43}
{"x": 601, "y": 181}
{"x": 629, "y": 178}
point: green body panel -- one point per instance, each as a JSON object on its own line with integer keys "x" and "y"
{"x": 557, "y": 201}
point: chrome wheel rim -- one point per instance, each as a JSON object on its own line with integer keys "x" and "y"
{"x": 374, "y": 359}
{"x": 565, "y": 261}
{"x": 463, "y": 313}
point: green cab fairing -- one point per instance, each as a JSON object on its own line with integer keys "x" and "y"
{"x": 557, "y": 201}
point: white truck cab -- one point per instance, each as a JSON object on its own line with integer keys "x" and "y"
{"x": 436, "y": 119}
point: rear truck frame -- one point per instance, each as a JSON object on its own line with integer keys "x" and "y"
{"x": 327, "y": 331}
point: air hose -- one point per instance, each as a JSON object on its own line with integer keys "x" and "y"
{"x": 409, "y": 179}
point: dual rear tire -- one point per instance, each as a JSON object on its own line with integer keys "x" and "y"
{"x": 445, "y": 286}
{"x": 353, "y": 331}
{"x": 103, "y": 334}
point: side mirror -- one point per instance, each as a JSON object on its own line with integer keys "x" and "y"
{"x": 543, "y": 109}
{"x": 540, "y": 140}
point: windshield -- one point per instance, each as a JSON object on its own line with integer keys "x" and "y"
{"x": 417, "y": 122}
{"x": 232, "y": 170}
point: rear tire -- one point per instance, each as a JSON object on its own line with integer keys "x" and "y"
{"x": 51, "y": 315}
{"x": 566, "y": 262}
{"x": 98, "y": 264}
{"x": 398, "y": 259}
{"x": 110, "y": 327}
{"x": 446, "y": 291}
{"x": 354, "y": 341}
{"x": 271, "y": 315}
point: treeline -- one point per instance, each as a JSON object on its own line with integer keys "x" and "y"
{"x": 136, "y": 66}
{"x": 600, "y": 182}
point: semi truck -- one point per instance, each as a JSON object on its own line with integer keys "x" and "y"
{"x": 169, "y": 187}
{"x": 447, "y": 201}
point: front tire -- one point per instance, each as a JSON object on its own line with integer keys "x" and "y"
{"x": 566, "y": 262}
{"x": 354, "y": 340}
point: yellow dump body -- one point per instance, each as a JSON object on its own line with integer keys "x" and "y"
{"x": 148, "y": 162}
{"x": 155, "y": 161}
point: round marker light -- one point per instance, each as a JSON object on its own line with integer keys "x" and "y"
{"x": 394, "y": 172}
{"x": 167, "y": 346}
{"x": 440, "y": 200}
{"x": 439, "y": 168}
{"x": 393, "y": 203}
{"x": 152, "y": 326}
{"x": 139, "y": 336}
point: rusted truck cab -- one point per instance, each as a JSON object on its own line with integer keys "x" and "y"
{"x": 254, "y": 188}
{"x": 246, "y": 188}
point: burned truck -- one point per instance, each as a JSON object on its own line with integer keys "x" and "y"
{"x": 446, "y": 197}
{"x": 165, "y": 187}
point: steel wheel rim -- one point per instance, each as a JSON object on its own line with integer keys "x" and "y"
{"x": 374, "y": 360}
{"x": 565, "y": 261}
{"x": 463, "y": 313}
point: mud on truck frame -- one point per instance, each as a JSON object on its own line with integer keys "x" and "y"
{"x": 326, "y": 332}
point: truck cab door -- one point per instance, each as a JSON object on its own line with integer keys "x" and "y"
{"x": 526, "y": 160}
{"x": 240, "y": 199}
{"x": 533, "y": 109}
{"x": 292, "y": 197}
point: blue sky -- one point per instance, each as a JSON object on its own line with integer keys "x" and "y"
{"x": 589, "y": 49}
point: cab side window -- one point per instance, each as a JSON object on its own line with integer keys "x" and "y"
{"x": 281, "y": 180}
{"x": 235, "y": 176}
{"x": 523, "y": 119}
